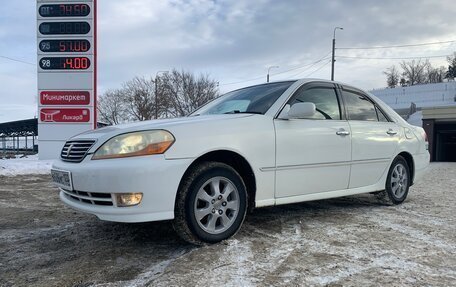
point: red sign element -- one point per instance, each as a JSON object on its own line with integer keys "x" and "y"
{"x": 65, "y": 98}
{"x": 65, "y": 115}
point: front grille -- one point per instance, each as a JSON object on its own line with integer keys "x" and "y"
{"x": 76, "y": 150}
{"x": 95, "y": 198}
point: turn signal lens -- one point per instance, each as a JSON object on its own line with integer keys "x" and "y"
{"x": 128, "y": 199}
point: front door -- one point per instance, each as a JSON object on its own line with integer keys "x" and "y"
{"x": 313, "y": 154}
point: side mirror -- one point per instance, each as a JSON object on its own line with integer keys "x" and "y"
{"x": 302, "y": 110}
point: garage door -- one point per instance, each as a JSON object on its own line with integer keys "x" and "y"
{"x": 445, "y": 146}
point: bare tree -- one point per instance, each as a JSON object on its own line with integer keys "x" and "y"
{"x": 451, "y": 73}
{"x": 111, "y": 107}
{"x": 392, "y": 76}
{"x": 139, "y": 98}
{"x": 174, "y": 94}
{"x": 435, "y": 75}
{"x": 183, "y": 92}
{"x": 414, "y": 72}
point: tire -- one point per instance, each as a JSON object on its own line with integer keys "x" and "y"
{"x": 211, "y": 204}
{"x": 397, "y": 183}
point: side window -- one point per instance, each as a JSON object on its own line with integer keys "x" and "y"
{"x": 325, "y": 100}
{"x": 359, "y": 108}
{"x": 381, "y": 116}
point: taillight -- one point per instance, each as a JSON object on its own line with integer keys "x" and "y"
{"x": 426, "y": 143}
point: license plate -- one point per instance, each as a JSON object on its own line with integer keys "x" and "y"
{"x": 62, "y": 178}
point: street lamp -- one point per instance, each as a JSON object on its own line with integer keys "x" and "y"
{"x": 333, "y": 52}
{"x": 156, "y": 91}
{"x": 269, "y": 68}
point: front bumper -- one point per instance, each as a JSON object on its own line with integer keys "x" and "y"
{"x": 154, "y": 176}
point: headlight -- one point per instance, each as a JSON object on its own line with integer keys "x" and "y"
{"x": 135, "y": 144}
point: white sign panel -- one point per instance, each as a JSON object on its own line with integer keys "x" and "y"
{"x": 66, "y": 39}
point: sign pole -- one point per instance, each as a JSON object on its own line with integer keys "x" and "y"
{"x": 95, "y": 46}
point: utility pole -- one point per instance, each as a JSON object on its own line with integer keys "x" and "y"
{"x": 156, "y": 91}
{"x": 269, "y": 68}
{"x": 333, "y": 52}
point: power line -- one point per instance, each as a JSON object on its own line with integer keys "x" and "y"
{"x": 322, "y": 59}
{"x": 16, "y": 60}
{"x": 391, "y": 58}
{"x": 396, "y": 46}
{"x": 326, "y": 63}
{"x": 300, "y": 67}
{"x": 282, "y": 72}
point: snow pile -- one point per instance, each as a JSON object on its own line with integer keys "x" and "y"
{"x": 26, "y": 165}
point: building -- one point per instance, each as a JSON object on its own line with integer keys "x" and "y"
{"x": 432, "y": 106}
{"x": 20, "y": 137}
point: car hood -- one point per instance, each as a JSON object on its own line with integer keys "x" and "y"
{"x": 166, "y": 124}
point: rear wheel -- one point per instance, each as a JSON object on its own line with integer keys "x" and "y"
{"x": 397, "y": 183}
{"x": 211, "y": 204}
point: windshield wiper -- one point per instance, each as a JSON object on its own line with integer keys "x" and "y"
{"x": 244, "y": 112}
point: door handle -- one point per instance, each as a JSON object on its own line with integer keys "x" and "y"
{"x": 342, "y": 132}
{"x": 391, "y": 132}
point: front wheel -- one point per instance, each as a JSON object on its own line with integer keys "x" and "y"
{"x": 397, "y": 183}
{"x": 211, "y": 204}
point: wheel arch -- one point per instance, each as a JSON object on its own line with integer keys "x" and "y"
{"x": 236, "y": 161}
{"x": 410, "y": 162}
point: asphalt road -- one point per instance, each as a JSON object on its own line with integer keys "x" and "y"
{"x": 352, "y": 241}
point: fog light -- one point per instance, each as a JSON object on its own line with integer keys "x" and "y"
{"x": 128, "y": 199}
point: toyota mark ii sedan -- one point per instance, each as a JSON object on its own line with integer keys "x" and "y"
{"x": 269, "y": 144}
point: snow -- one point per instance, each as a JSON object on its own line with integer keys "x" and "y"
{"x": 416, "y": 119}
{"x": 428, "y": 95}
{"x": 26, "y": 165}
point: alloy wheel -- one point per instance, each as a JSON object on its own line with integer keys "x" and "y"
{"x": 399, "y": 180}
{"x": 216, "y": 205}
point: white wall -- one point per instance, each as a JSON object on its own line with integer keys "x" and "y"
{"x": 427, "y": 95}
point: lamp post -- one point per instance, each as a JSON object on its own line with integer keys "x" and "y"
{"x": 269, "y": 68}
{"x": 156, "y": 91}
{"x": 333, "y": 52}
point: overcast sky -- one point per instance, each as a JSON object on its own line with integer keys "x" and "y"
{"x": 232, "y": 41}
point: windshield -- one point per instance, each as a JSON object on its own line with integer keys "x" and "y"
{"x": 255, "y": 100}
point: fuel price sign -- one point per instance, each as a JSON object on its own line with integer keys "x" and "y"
{"x": 66, "y": 32}
{"x": 64, "y": 63}
{"x": 64, "y": 28}
{"x": 65, "y": 45}
{"x": 64, "y": 10}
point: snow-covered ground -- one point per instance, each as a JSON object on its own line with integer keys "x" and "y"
{"x": 352, "y": 241}
{"x": 26, "y": 165}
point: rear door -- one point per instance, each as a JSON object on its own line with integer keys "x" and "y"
{"x": 313, "y": 154}
{"x": 374, "y": 138}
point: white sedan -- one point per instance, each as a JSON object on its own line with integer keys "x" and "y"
{"x": 264, "y": 145}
